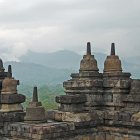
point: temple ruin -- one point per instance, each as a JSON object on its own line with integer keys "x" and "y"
{"x": 96, "y": 106}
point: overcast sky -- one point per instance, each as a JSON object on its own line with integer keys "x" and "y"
{"x": 51, "y": 25}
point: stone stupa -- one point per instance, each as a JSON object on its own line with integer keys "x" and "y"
{"x": 35, "y": 112}
{"x": 112, "y": 62}
{"x": 10, "y": 99}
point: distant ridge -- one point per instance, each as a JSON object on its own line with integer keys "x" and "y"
{"x": 35, "y": 74}
{"x": 54, "y": 68}
{"x": 64, "y": 59}
{"x": 134, "y": 60}
{"x": 60, "y": 60}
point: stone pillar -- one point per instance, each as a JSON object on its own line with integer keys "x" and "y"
{"x": 10, "y": 99}
{"x": 35, "y": 112}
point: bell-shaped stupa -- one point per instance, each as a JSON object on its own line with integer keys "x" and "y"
{"x": 112, "y": 62}
{"x": 88, "y": 63}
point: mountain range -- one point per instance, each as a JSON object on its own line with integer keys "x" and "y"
{"x": 54, "y": 68}
{"x": 35, "y": 74}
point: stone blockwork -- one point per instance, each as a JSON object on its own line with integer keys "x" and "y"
{"x": 97, "y": 106}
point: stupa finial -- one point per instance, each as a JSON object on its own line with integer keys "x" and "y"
{"x": 112, "y": 49}
{"x": 9, "y": 71}
{"x": 88, "y": 48}
{"x": 35, "y": 95}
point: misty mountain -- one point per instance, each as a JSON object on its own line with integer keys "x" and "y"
{"x": 60, "y": 60}
{"x": 70, "y": 60}
{"x": 134, "y": 60}
{"x": 54, "y": 68}
{"x": 134, "y": 69}
{"x": 35, "y": 74}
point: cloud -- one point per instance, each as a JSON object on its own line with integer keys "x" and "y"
{"x": 52, "y": 25}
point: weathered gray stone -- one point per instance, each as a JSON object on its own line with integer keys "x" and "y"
{"x": 71, "y": 107}
{"x": 74, "y": 117}
{"x": 11, "y": 98}
{"x": 71, "y": 99}
{"x": 35, "y": 114}
{"x": 136, "y": 117}
{"x": 16, "y": 107}
{"x": 135, "y": 86}
{"x": 133, "y": 98}
{"x": 116, "y": 83}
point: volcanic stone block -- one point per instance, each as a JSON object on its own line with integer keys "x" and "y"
{"x": 71, "y": 103}
{"x": 116, "y": 83}
{"x": 11, "y": 107}
{"x": 85, "y": 83}
{"x": 111, "y": 115}
{"x": 117, "y": 75}
{"x": 71, "y": 107}
{"x": 116, "y": 91}
{"x": 98, "y": 98}
{"x": 134, "y": 98}
{"x": 12, "y": 98}
{"x": 11, "y": 116}
{"x": 136, "y": 117}
{"x": 71, "y": 99}
{"x": 74, "y": 75}
{"x": 124, "y": 116}
{"x": 90, "y": 74}
{"x": 3, "y": 75}
{"x": 135, "y": 87}
{"x": 75, "y": 117}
